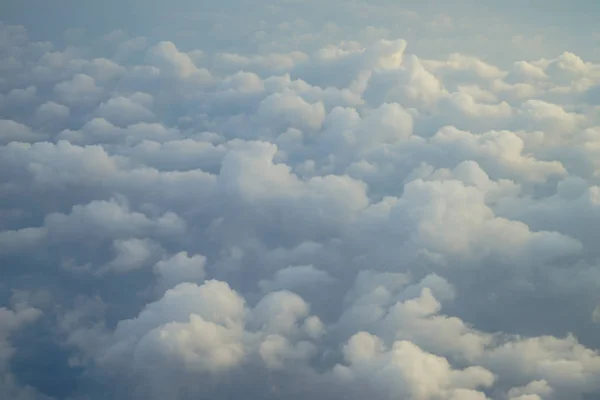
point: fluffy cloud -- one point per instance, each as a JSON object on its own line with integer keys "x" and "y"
{"x": 252, "y": 202}
{"x": 81, "y": 89}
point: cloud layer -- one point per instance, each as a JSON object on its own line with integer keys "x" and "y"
{"x": 326, "y": 214}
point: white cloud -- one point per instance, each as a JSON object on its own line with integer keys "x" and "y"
{"x": 174, "y": 63}
{"x": 12, "y": 131}
{"x": 180, "y": 268}
{"x": 125, "y": 110}
{"x": 132, "y": 254}
{"x": 81, "y": 89}
{"x": 51, "y": 111}
{"x": 253, "y": 202}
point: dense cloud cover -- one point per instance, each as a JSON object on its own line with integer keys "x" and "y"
{"x": 297, "y": 208}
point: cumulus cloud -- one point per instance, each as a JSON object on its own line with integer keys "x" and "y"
{"x": 80, "y": 89}
{"x": 254, "y": 202}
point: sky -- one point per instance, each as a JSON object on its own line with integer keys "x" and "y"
{"x": 299, "y": 200}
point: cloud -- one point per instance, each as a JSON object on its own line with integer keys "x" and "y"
{"x": 173, "y": 63}
{"x": 180, "y": 268}
{"x": 126, "y": 110}
{"x": 51, "y": 110}
{"x": 81, "y": 89}
{"x": 16, "y": 132}
{"x": 297, "y": 200}
{"x": 12, "y": 319}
